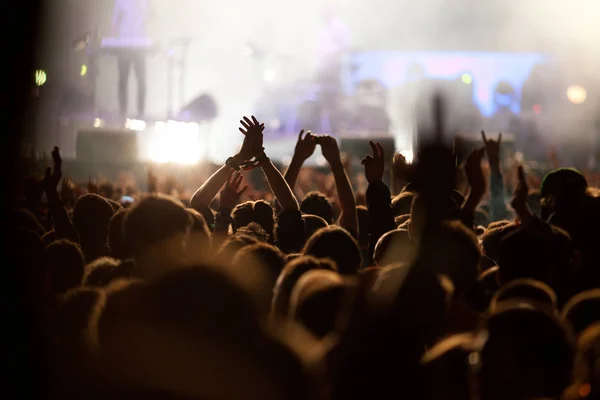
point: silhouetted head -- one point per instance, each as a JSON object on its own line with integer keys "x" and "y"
{"x": 338, "y": 245}
{"x": 65, "y": 265}
{"x": 316, "y": 203}
{"x": 105, "y": 270}
{"x": 91, "y": 218}
{"x": 317, "y": 301}
{"x": 401, "y": 203}
{"x": 527, "y": 290}
{"x": 253, "y": 211}
{"x": 116, "y": 236}
{"x": 582, "y": 310}
{"x": 394, "y": 247}
{"x": 493, "y": 235}
{"x": 528, "y": 354}
{"x": 157, "y": 229}
{"x": 288, "y": 278}
{"x": 265, "y": 254}
{"x": 312, "y": 223}
{"x": 364, "y": 222}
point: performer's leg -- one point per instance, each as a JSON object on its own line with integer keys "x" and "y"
{"x": 139, "y": 64}
{"x": 124, "y": 67}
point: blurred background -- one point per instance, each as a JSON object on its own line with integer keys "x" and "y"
{"x": 357, "y": 69}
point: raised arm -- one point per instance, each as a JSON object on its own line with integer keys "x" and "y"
{"x": 378, "y": 197}
{"x": 331, "y": 152}
{"x": 207, "y": 192}
{"x": 62, "y": 223}
{"x": 497, "y": 204}
{"x": 476, "y": 182}
{"x": 305, "y": 147}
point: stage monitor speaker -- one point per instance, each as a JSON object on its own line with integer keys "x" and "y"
{"x": 107, "y": 146}
{"x": 359, "y": 147}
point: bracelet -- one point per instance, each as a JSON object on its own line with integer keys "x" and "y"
{"x": 231, "y": 164}
{"x": 255, "y": 162}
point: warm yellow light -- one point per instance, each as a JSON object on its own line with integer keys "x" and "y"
{"x": 83, "y": 70}
{"x": 466, "y": 79}
{"x": 576, "y": 94}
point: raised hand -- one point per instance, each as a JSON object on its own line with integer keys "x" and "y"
{"x": 330, "y": 149}
{"x": 374, "y": 164}
{"x": 231, "y": 192}
{"x": 305, "y": 146}
{"x": 474, "y": 172}
{"x": 519, "y": 200}
{"x": 253, "y": 141}
{"x": 52, "y": 177}
{"x": 492, "y": 149}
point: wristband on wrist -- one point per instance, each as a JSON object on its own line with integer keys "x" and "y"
{"x": 230, "y": 162}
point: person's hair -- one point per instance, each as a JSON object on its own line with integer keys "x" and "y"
{"x": 154, "y": 219}
{"x": 582, "y": 310}
{"x": 401, "y": 203}
{"x": 364, "y": 222}
{"x": 288, "y": 278}
{"x": 114, "y": 204}
{"x": 105, "y": 270}
{"x": 528, "y": 290}
{"x": 64, "y": 261}
{"x": 337, "y": 244}
{"x": 317, "y": 299}
{"x": 446, "y": 369}
{"x": 116, "y": 236}
{"x": 254, "y": 230}
{"x": 533, "y": 201}
{"x": 199, "y": 225}
{"x": 209, "y": 216}
{"x": 561, "y": 189}
{"x": 265, "y": 254}
{"x": 259, "y": 211}
{"x": 482, "y": 218}
{"x": 493, "y": 235}
{"x": 49, "y": 237}
{"x": 527, "y": 354}
{"x": 529, "y": 253}
{"x": 316, "y": 203}
{"x": 312, "y": 223}
{"x": 394, "y": 247}
{"x": 25, "y": 219}
{"x": 91, "y": 217}
{"x": 451, "y": 249}
{"x": 233, "y": 244}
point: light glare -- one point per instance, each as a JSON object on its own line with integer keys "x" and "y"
{"x": 576, "y": 94}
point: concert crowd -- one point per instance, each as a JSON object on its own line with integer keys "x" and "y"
{"x": 437, "y": 285}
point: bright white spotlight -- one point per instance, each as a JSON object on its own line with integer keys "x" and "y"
{"x": 274, "y": 124}
{"x": 576, "y": 94}
{"x": 98, "y": 123}
{"x": 177, "y": 142}
{"x": 408, "y": 155}
{"x": 269, "y": 75}
{"x": 136, "y": 125}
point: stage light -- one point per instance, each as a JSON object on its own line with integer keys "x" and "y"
{"x": 175, "y": 142}
{"x": 576, "y": 94}
{"x": 466, "y": 79}
{"x": 269, "y": 75}
{"x": 135, "y": 125}
{"x": 537, "y": 109}
{"x": 83, "y": 71}
{"x": 98, "y": 123}
{"x": 40, "y": 77}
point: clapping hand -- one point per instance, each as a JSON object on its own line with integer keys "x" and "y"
{"x": 231, "y": 192}
{"x": 305, "y": 146}
{"x": 374, "y": 164}
{"x": 253, "y": 140}
{"x": 330, "y": 149}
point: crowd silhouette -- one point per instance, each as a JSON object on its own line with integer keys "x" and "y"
{"x": 433, "y": 288}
